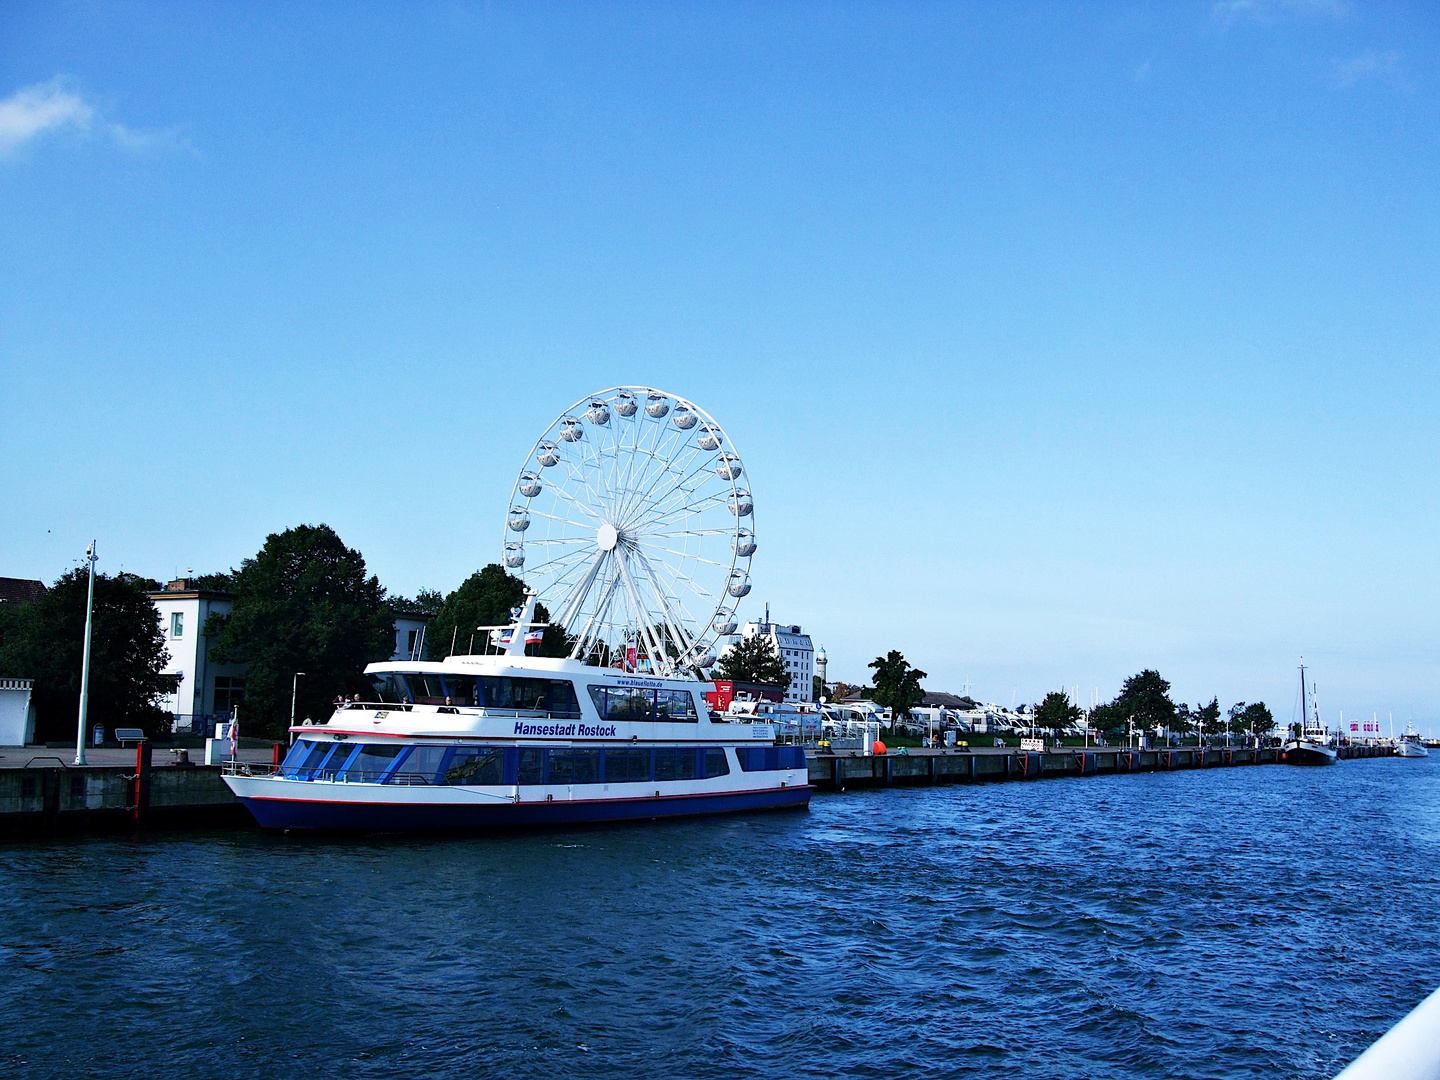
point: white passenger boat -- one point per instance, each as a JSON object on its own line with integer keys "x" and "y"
{"x": 480, "y": 742}
{"x": 1409, "y": 744}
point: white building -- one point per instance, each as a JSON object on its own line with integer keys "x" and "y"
{"x": 208, "y": 691}
{"x": 795, "y": 651}
{"x": 17, "y": 714}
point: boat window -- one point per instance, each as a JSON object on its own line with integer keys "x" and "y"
{"x": 304, "y": 757}
{"x": 716, "y": 763}
{"x": 474, "y": 765}
{"x": 531, "y": 767}
{"x": 460, "y": 689}
{"x": 675, "y": 764}
{"x": 336, "y": 761}
{"x": 623, "y": 703}
{"x": 626, "y": 765}
{"x": 770, "y": 758}
{"x": 424, "y": 689}
{"x": 371, "y": 763}
{"x": 390, "y": 689}
{"x": 553, "y": 696}
{"x": 675, "y": 706}
{"x": 419, "y": 767}
{"x": 574, "y": 767}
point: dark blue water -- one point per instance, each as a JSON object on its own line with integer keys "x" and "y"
{"x": 1267, "y": 922}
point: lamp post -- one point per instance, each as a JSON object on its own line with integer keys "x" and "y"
{"x": 85, "y": 662}
{"x": 294, "y": 686}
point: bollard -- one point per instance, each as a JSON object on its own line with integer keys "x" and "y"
{"x": 142, "y": 782}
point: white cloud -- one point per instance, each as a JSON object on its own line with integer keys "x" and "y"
{"x": 1371, "y": 64}
{"x": 40, "y": 108}
{"x": 51, "y": 106}
{"x": 1229, "y": 12}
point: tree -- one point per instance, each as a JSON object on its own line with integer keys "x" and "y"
{"x": 818, "y": 688}
{"x": 1145, "y": 699}
{"x": 303, "y": 603}
{"x": 485, "y": 598}
{"x": 45, "y": 641}
{"x": 1056, "y": 711}
{"x": 1246, "y": 718}
{"x": 897, "y": 684}
{"x": 1207, "y": 718}
{"x": 753, "y": 659}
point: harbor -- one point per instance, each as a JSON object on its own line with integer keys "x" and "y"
{"x": 41, "y": 793}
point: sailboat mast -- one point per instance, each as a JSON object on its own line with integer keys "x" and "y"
{"x": 1303, "y": 705}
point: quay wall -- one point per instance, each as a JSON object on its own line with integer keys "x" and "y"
{"x": 922, "y": 768}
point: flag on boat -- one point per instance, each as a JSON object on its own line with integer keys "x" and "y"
{"x": 533, "y": 636}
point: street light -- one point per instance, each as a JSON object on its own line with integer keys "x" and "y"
{"x": 294, "y": 686}
{"x": 90, "y": 557}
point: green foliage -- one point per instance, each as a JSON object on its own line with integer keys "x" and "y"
{"x": 45, "y": 641}
{"x": 1255, "y": 717}
{"x": 216, "y": 582}
{"x": 818, "y": 688}
{"x": 1145, "y": 699}
{"x": 303, "y": 603}
{"x": 485, "y": 598}
{"x": 897, "y": 684}
{"x": 1056, "y": 712}
{"x": 753, "y": 660}
{"x": 426, "y": 602}
{"x": 1207, "y": 718}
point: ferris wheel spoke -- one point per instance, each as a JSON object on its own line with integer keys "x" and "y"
{"x": 556, "y": 560}
{"x": 709, "y": 502}
{"x": 672, "y": 466}
{"x": 681, "y": 554}
{"x": 582, "y": 507}
{"x": 683, "y": 640}
{"x": 645, "y": 482}
{"x": 649, "y": 502}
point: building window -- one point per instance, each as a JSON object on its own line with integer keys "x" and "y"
{"x": 177, "y": 624}
{"x": 410, "y": 641}
{"x": 229, "y": 689}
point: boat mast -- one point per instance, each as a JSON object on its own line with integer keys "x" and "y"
{"x": 1303, "y": 704}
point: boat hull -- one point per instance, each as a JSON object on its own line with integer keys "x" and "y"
{"x": 356, "y": 814}
{"x": 1307, "y": 753}
{"x": 1409, "y": 749}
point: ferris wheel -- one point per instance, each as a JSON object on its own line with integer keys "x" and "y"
{"x": 630, "y": 522}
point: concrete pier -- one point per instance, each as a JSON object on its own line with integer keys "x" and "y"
{"x": 921, "y": 767}
{"x": 42, "y": 792}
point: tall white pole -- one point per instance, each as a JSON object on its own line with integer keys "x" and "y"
{"x": 85, "y": 662}
{"x": 294, "y": 686}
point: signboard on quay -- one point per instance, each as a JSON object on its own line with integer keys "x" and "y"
{"x": 1037, "y": 745}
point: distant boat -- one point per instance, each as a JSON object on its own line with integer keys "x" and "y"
{"x": 1309, "y": 743}
{"x": 1410, "y": 744}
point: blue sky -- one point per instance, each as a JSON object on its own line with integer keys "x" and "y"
{"x": 1059, "y": 340}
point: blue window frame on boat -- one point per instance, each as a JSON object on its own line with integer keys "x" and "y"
{"x": 530, "y": 766}
{"x": 420, "y": 766}
{"x": 627, "y": 766}
{"x": 304, "y": 758}
{"x": 573, "y": 767}
{"x": 475, "y": 765}
{"x": 716, "y": 763}
{"x": 770, "y": 758}
{"x": 370, "y": 763}
{"x": 676, "y": 764}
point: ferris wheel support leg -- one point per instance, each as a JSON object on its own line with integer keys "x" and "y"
{"x": 658, "y": 658}
{"x": 682, "y": 640}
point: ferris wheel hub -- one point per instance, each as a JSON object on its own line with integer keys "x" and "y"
{"x": 607, "y": 537}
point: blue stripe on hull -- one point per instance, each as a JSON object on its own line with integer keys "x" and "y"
{"x": 301, "y": 814}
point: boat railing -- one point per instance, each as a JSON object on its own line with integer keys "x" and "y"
{"x": 247, "y": 768}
